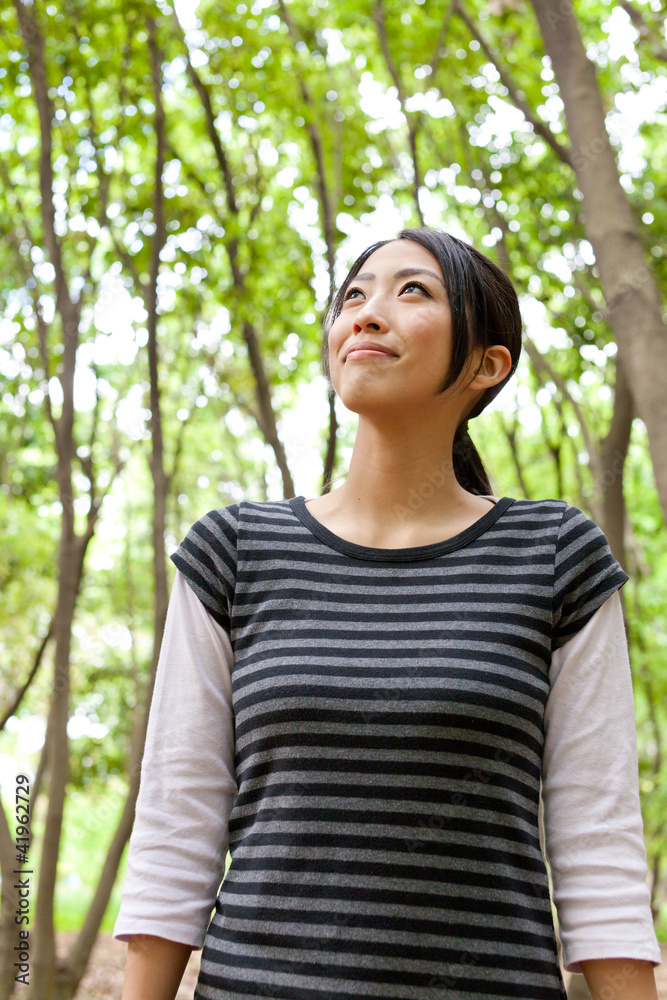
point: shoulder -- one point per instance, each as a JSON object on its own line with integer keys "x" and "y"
{"x": 584, "y": 571}
{"x": 573, "y": 538}
{"x": 219, "y": 525}
{"x": 235, "y": 511}
{"x": 542, "y": 518}
{"x": 555, "y": 513}
{"x": 210, "y": 543}
{"x": 550, "y": 510}
{"x": 226, "y": 523}
{"x": 263, "y": 507}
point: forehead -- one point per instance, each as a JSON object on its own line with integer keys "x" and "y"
{"x": 400, "y": 254}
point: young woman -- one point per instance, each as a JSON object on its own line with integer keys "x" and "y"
{"x": 362, "y": 694}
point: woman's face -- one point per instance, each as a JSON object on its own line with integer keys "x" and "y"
{"x": 398, "y": 302}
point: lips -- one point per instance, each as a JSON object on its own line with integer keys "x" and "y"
{"x": 368, "y": 348}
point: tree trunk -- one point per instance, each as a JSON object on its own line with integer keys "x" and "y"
{"x": 614, "y": 451}
{"x": 634, "y": 309}
{"x": 8, "y": 929}
{"x": 160, "y": 479}
{"x": 69, "y": 974}
{"x": 267, "y": 417}
{"x": 268, "y": 425}
{"x": 330, "y": 455}
{"x": 72, "y": 546}
{"x": 44, "y": 955}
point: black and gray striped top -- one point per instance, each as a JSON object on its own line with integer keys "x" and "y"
{"x": 389, "y": 712}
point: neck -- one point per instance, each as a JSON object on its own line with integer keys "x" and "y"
{"x": 401, "y": 472}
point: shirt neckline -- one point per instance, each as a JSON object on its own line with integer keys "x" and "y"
{"x": 298, "y": 505}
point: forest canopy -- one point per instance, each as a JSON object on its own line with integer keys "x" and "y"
{"x": 181, "y": 189}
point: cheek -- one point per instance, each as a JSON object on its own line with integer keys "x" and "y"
{"x": 431, "y": 339}
{"x": 336, "y": 339}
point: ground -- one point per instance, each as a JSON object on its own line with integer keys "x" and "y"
{"x": 104, "y": 979}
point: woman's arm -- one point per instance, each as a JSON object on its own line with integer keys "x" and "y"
{"x": 154, "y": 968}
{"x": 619, "y": 979}
{"x": 592, "y": 818}
{"x": 179, "y": 841}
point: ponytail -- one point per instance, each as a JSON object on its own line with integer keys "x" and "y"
{"x": 468, "y": 466}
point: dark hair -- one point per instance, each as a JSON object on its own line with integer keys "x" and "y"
{"x": 485, "y": 311}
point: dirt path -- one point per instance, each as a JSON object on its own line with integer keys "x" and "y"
{"x": 104, "y": 979}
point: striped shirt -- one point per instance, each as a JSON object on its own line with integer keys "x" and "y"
{"x": 389, "y": 729}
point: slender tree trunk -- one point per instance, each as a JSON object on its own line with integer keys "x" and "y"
{"x": 324, "y": 198}
{"x": 327, "y": 204}
{"x": 330, "y": 455}
{"x": 71, "y": 551}
{"x": 159, "y": 476}
{"x": 268, "y": 424}
{"x": 267, "y": 418}
{"x": 8, "y": 929}
{"x": 614, "y": 450}
{"x": 72, "y": 548}
{"x": 42, "y": 983}
{"x": 517, "y": 97}
{"x": 413, "y": 122}
{"x": 70, "y": 973}
{"x": 511, "y": 435}
{"x": 634, "y": 308}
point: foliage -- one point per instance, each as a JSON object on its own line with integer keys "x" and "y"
{"x": 324, "y": 115}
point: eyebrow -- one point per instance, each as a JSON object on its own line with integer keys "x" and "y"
{"x": 405, "y": 272}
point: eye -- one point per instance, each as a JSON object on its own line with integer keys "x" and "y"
{"x": 352, "y": 293}
{"x": 412, "y": 285}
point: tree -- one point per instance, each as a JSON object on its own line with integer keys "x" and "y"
{"x": 206, "y": 181}
{"x": 633, "y": 301}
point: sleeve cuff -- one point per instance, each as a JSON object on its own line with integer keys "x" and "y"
{"x": 171, "y": 930}
{"x": 574, "y": 956}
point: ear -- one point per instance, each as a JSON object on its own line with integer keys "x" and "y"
{"x": 495, "y": 366}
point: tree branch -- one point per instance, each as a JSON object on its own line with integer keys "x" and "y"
{"x": 413, "y": 122}
{"x": 34, "y": 42}
{"x": 268, "y": 424}
{"x": 317, "y": 147}
{"x": 511, "y": 435}
{"x": 439, "y": 51}
{"x": 561, "y": 151}
{"x": 205, "y": 98}
{"x": 21, "y": 214}
{"x": 18, "y": 697}
{"x": 540, "y": 363}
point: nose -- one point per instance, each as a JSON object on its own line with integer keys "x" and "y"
{"x": 369, "y": 317}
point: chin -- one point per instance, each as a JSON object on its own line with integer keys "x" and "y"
{"x": 371, "y": 403}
